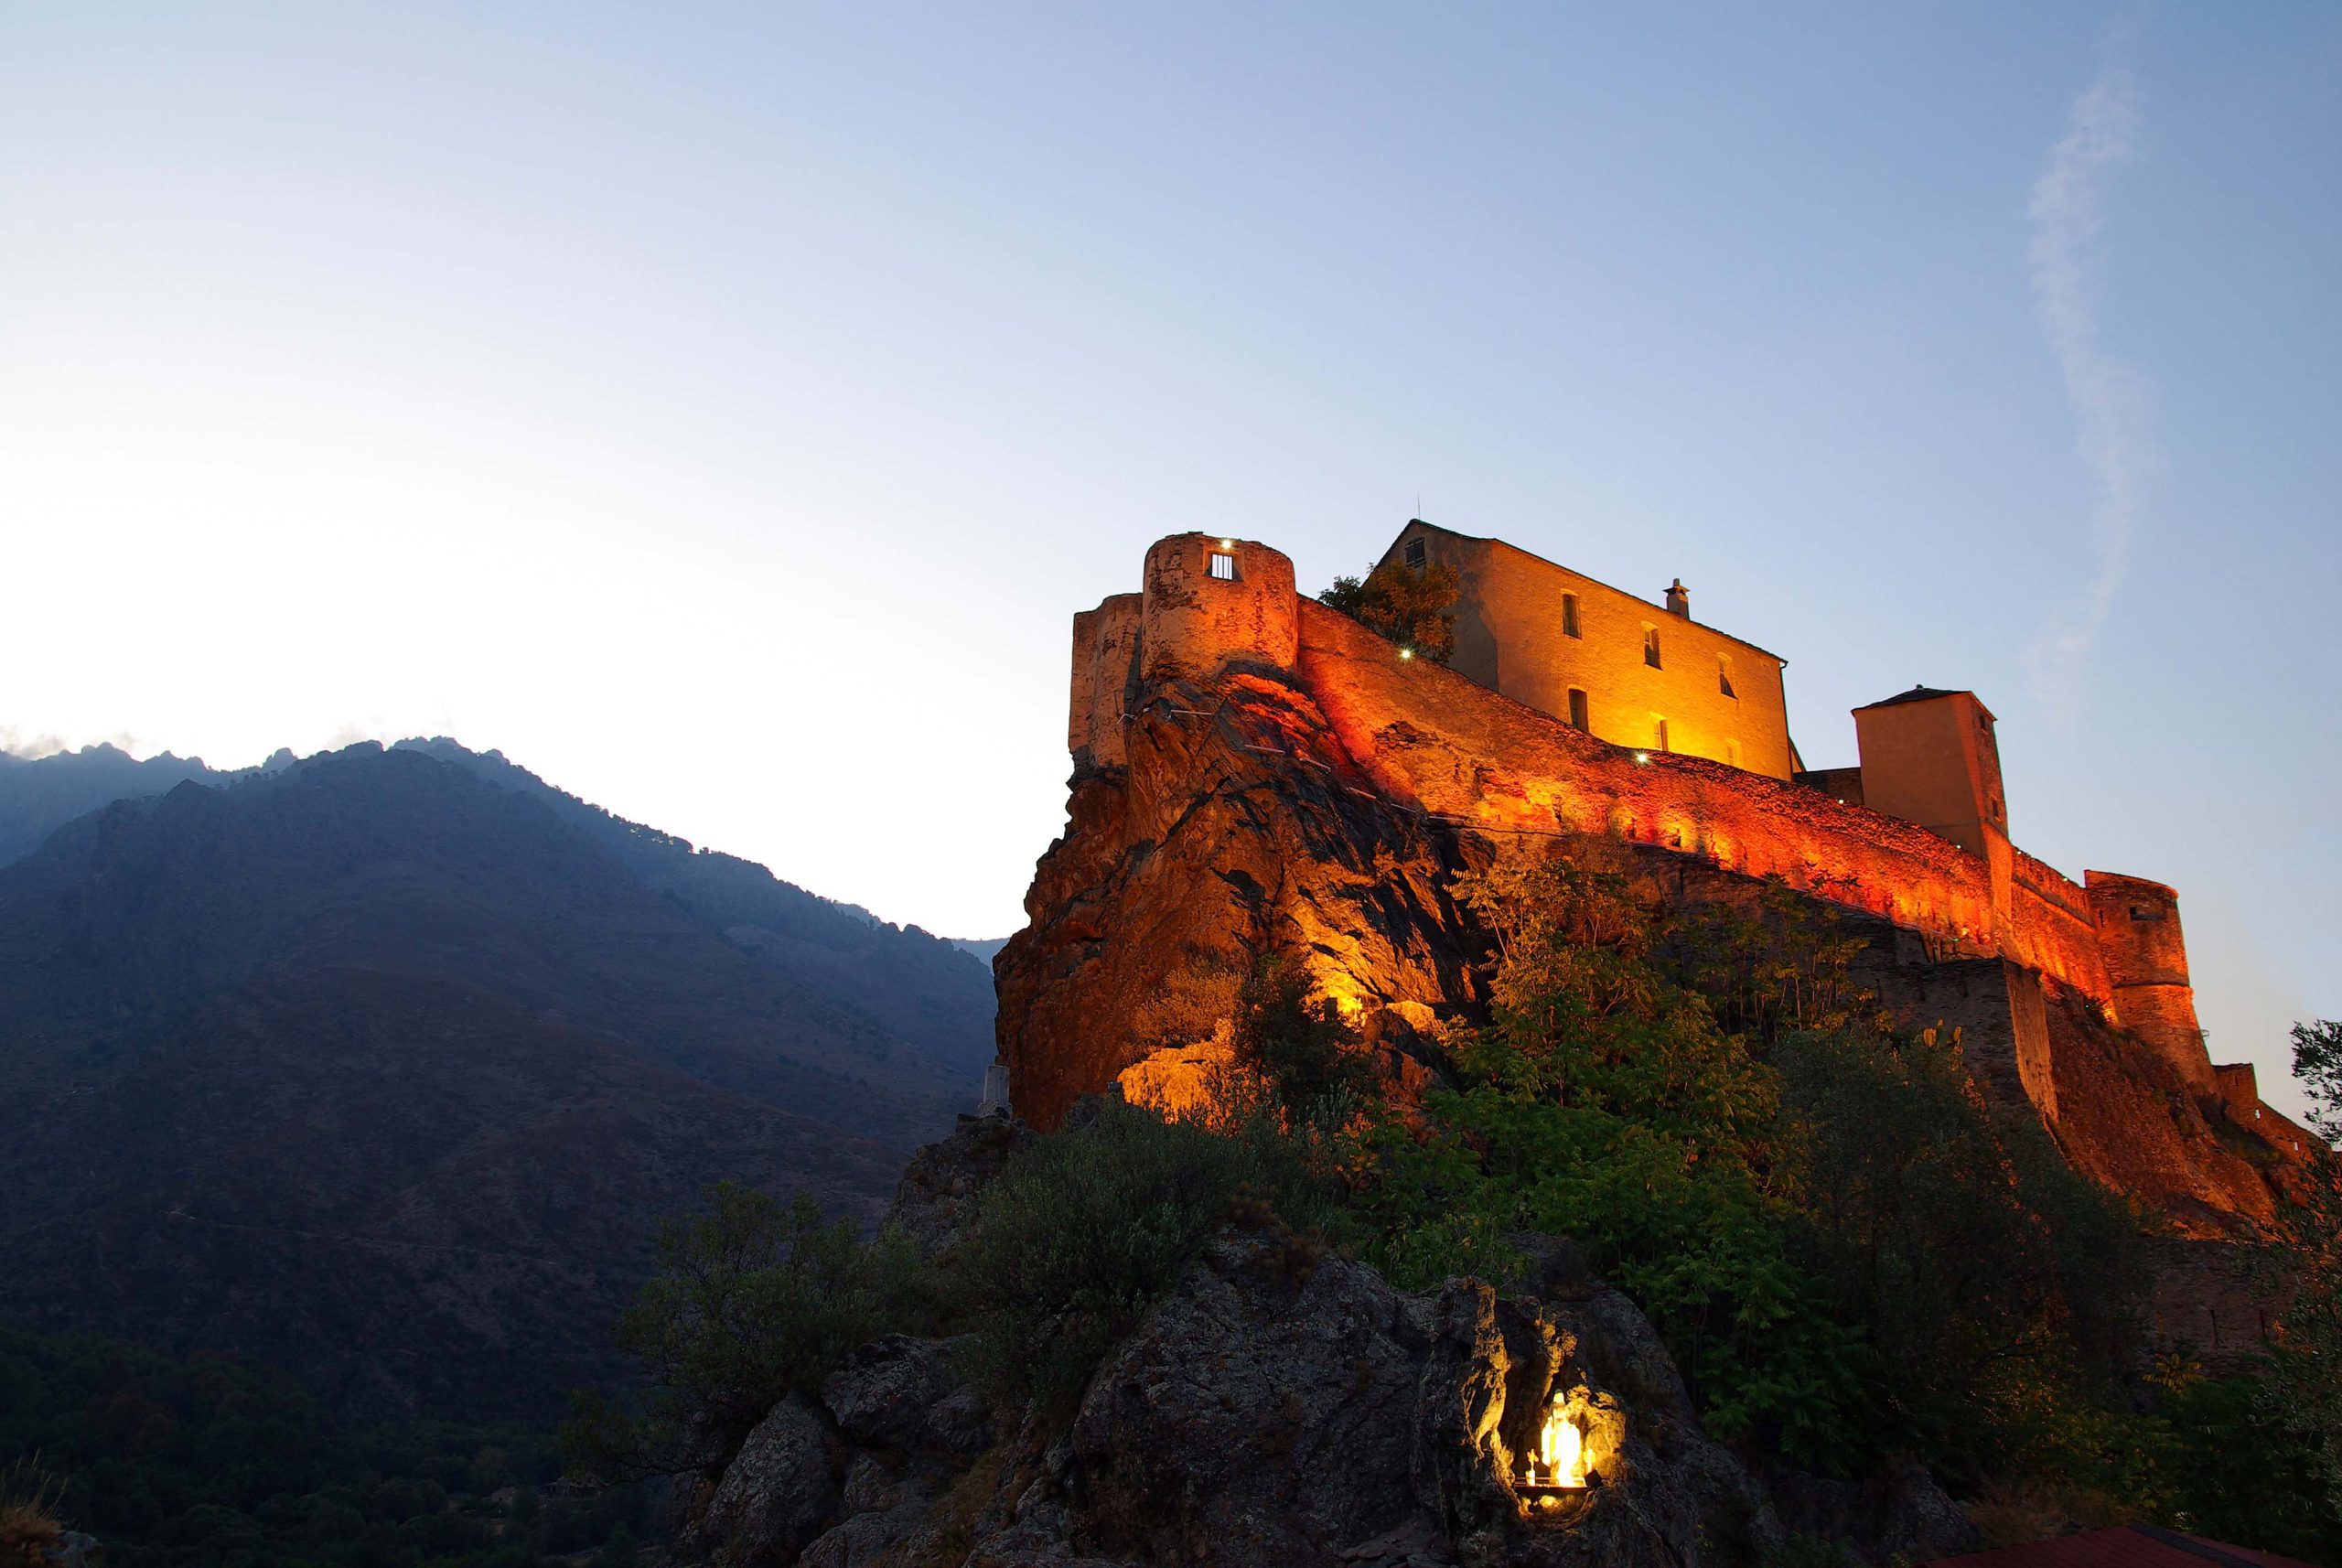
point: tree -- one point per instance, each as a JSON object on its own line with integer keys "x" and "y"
{"x": 1299, "y": 1046}
{"x": 1414, "y": 606}
{"x": 2302, "y": 1393}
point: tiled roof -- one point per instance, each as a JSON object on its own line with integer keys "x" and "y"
{"x": 2130, "y": 1546}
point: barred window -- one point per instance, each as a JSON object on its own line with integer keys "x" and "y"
{"x": 1223, "y": 566}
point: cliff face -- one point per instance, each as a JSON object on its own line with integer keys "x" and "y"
{"x": 1237, "y": 826}
{"x": 1306, "y": 792}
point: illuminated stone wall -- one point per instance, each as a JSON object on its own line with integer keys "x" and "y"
{"x": 2146, "y": 967}
{"x": 1510, "y": 637}
{"x": 1105, "y": 668}
{"x": 1193, "y": 625}
{"x": 1437, "y": 742}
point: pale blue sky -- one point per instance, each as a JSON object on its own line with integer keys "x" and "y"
{"x": 724, "y": 410}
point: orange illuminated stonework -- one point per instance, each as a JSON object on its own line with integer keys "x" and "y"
{"x": 1255, "y": 771}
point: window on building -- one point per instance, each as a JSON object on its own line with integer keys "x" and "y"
{"x": 1650, "y": 647}
{"x": 1578, "y": 717}
{"x": 1416, "y": 553}
{"x": 1731, "y": 752}
{"x": 1569, "y": 615}
{"x": 1724, "y": 675}
{"x": 1223, "y": 566}
{"x": 1658, "y": 736}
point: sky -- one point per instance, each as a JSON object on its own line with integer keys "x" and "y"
{"x": 723, "y": 410}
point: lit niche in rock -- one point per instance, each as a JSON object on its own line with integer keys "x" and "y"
{"x": 1574, "y": 1447}
{"x": 1558, "y": 1462}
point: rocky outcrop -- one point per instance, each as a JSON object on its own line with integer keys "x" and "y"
{"x": 1283, "y": 1408}
{"x": 1237, "y": 827}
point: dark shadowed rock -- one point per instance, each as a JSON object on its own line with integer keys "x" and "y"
{"x": 937, "y": 1195}
{"x": 910, "y": 1395}
{"x": 1261, "y": 1413}
{"x": 777, "y": 1495}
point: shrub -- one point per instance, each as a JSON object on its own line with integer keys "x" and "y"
{"x": 1088, "y": 1227}
{"x": 1299, "y": 1046}
{"x": 753, "y": 1300}
{"x": 1413, "y": 607}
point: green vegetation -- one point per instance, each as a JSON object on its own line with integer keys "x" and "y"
{"x": 1850, "y": 1252}
{"x": 1414, "y": 606}
{"x": 1081, "y": 1234}
{"x": 210, "y": 1461}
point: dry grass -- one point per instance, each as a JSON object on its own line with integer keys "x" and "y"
{"x": 28, "y": 1523}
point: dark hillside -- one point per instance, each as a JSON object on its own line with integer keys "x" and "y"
{"x": 922, "y": 986}
{"x": 382, "y": 1073}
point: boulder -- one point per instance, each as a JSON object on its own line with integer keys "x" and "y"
{"x": 777, "y": 1495}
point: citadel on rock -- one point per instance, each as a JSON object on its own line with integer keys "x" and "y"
{"x": 1569, "y": 711}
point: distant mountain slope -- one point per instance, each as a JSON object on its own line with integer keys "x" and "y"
{"x": 39, "y": 796}
{"x": 921, "y": 985}
{"x": 381, "y": 1071}
{"x": 913, "y": 982}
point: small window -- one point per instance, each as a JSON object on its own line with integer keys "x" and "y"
{"x": 1569, "y": 616}
{"x": 1416, "y": 553}
{"x": 1731, "y": 752}
{"x": 1223, "y": 566}
{"x": 1723, "y": 676}
{"x": 1578, "y": 719}
{"x": 1650, "y": 647}
{"x": 1658, "y": 734}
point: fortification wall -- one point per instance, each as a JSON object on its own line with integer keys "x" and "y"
{"x": 1440, "y": 741}
{"x": 1434, "y": 739}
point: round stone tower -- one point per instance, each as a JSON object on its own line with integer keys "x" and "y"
{"x": 1212, "y": 604}
{"x": 2145, "y": 956}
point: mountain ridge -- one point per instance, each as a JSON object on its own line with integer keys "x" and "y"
{"x": 383, "y": 1070}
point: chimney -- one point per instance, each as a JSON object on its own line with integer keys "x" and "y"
{"x": 1679, "y": 599}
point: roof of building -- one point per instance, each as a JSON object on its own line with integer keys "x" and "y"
{"x": 1517, "y": 550}
{"x": 1916, "y": 695}
{"x": 2129, "y": 1546}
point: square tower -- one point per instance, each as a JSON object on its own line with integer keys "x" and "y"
{"x": 1930, "y": 757}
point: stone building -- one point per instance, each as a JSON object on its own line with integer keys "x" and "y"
{"x": 1622, "y": 669}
